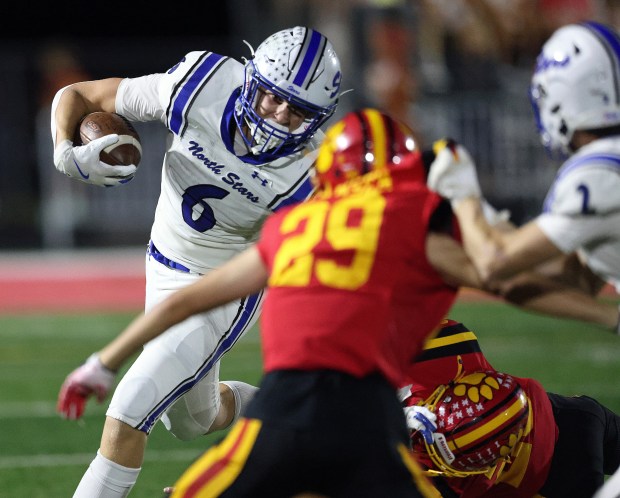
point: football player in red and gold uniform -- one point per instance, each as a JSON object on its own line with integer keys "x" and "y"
{"x": 556, "y": 445}
{"x": 342, "y": 270}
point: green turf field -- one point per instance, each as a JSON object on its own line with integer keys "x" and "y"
{"x": 44, "y": 456}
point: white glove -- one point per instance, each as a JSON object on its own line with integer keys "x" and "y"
{"x": 453, "y": 173}
{"x": 91, "y": 378}
{"x": 83, "y": 163}
{"x": 420, "y": 418}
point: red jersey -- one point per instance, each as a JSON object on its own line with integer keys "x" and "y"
{"x": 339, "y": 265}
{"x": 526, "y": 474}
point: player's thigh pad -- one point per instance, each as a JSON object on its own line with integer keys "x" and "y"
{"x": 168, "y": 367}
{"x": 175, "y": 362}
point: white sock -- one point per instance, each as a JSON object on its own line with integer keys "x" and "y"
{"x": 611, "y": 487}
{"x": 243, "y": 394}
{"x": 106, "y": 479}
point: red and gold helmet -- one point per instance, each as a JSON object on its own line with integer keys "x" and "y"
{"x": 481, "y": 418}
{"x": 362, "y": 141}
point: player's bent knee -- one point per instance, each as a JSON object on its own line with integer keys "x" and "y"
{"x": 186, "y": 432}
{"x": 184, "y": 427}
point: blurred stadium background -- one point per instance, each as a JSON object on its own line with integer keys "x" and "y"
{"x": 71, "y": 269}
{"x": 448, "y": 67}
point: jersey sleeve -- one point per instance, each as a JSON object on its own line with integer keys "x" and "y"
{"x": 585, "y": 189}
{"x": 569, "y": 233}
{"x": 147, "y": 98}
{"x": 582, "y": 202}
{"x": 137, "y": 98}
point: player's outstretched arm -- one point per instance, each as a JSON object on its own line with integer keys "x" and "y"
{"x": 241, "y": 276}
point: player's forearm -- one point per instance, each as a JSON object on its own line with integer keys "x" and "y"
{"x": 498, "y": 254}
{"x": 79, "y": 99}
{"x": 142, "y": 329}
{"x": 67, "y": 109}
{"x": 482, "y": 243}
{"x": 539, "y": 294}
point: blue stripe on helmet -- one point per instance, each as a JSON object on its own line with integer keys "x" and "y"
{"x": 611, "y": 41}
{"x": 188, "y": 89}
{"x": 609, "y": 35}
{"x": 308, "y": 60}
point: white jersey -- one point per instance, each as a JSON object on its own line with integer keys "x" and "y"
{"x": 213, "y": 200}
{"x": 582, "y": 209}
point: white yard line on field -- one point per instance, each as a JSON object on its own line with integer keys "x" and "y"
{"x": 30, "y": 461}
{"x": 39, "y": 409}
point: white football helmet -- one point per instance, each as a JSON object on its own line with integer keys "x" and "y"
{"x": 300, "y": 66}
{"x": 576, "y": 84}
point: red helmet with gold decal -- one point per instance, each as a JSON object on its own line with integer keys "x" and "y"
{"x": 361, "y": 142}
{"x": 481, "y": 418}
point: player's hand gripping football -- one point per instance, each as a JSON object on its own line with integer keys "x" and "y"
{"x": 83, "y": 163}
{"x": 420, "y": 418}
{"x": 91, "y": 378}
{"x": 453, "y": 173}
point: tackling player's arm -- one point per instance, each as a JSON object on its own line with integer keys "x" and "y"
{"x": 445, "y": 254}
{"x": 500, "y": 254}
{"x": 522, "y": 265}
{"x": 495, "y": 253}
{"x": 559, "y": 286}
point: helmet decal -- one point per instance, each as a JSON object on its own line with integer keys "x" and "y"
{"x": 481, "y": 418}
{"x": 576, "y": 84}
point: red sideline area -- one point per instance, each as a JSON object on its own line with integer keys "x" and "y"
{"x": 72, "y": 281}
{"x": 79, "y": 281}
{"x": 99, "y": 280}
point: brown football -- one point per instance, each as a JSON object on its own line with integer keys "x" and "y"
{"x": 127, "y": 150}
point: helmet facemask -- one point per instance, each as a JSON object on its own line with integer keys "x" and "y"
{"x": 300, "y": 67}
{"x": 266, "y": 135}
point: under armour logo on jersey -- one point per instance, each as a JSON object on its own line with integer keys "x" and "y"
{"x": 262, "y": 181}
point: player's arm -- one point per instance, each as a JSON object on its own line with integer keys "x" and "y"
{"x": 82, "y": 162}
{"x": 526, "y": 269}
{"x": 76, "y": 100}
{"x": 241, "y": 276}
{"x": 500, "y": 254}
{"x": 522, "y": 264}
{"x": 449, "y": 259}
{"x": 495, "y": 253}
{"x": 445, "y": 254}
{"x": 539, "y": 293}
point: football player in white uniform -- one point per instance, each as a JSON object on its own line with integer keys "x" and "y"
{"x": 575, "y": 93}
{"x": 243, "y": 140}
